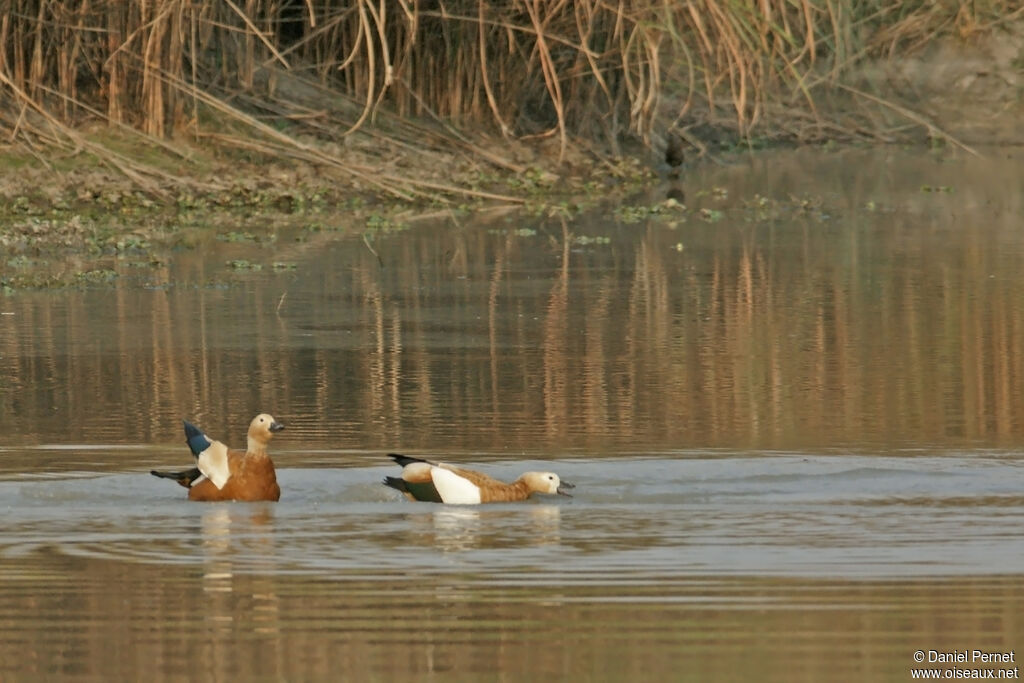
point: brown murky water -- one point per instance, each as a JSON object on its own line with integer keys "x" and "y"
{"x": 792, "y": 414}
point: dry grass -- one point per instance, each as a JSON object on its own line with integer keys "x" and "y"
{"x": 287, "y": 73}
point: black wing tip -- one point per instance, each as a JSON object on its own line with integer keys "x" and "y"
{"x": 404, "y": 460}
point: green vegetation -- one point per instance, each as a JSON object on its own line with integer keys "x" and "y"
{"x": 243, "y": 264}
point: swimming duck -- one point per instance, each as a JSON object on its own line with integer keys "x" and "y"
{"x": 440, "y": 483}
{"x": 223, "y": 473}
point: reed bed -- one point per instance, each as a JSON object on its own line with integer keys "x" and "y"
{"x": 279, "y": 77}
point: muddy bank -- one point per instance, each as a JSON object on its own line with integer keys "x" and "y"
{"x": 970, "y": 89}
{"x": 64, "y": 226}
{"x": 65, "y": 213}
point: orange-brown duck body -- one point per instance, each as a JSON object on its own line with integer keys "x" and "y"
{"x": 441, "y": 483}
{"x": 223, "y": 474}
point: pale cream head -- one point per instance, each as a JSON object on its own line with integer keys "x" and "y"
{"x": 262, "y": 428}
{"x": 546, "y": 482}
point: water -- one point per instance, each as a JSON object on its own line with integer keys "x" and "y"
{"x": 792, "y": 423}
{"x": 633, "y": 521}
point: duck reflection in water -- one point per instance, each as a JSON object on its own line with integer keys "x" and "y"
{"x": 235, "y": 535}
{"x": 454, "y": 529}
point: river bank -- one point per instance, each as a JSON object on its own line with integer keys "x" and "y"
{"x": 113, "y": 192}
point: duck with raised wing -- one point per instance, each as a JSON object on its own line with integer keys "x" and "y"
{"x": 441, "y": 483}
{"x": 223, "y": 473}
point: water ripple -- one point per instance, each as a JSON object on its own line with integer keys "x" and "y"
{"x": 636, "y": 519}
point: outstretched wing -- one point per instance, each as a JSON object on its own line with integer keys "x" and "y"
{"x": 211, "y": 456}
{"x": 197, "y": 441}
{"x": 213, "y": 462}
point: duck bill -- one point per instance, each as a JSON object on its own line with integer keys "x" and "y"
{"x": 562, "y": 489}
{"x": 276, "y": 426}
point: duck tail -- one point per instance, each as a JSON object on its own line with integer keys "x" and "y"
{"x": 396, "y": 483}
{"x": 184, "y": 477}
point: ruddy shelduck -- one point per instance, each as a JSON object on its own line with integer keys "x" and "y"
{"x": 223, "y": 473}
{"x": 441, "y": 483}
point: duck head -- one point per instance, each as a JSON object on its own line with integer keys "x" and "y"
{"x": 261, "y": 431}
{"x": 547, "y": 482}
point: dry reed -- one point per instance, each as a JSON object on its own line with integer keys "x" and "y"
{"x": 279, "y": 70}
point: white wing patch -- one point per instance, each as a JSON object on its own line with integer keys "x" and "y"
{"x": 213, "y": 462}
{"x": 454, "y": 489}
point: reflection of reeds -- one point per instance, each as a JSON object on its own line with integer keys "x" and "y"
{"x": 295, "y": 626}
{"x": 546, "y": 69}
{"x": 758, "y": 334}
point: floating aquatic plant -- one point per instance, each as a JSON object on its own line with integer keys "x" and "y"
{"x": 243, "y": 264}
